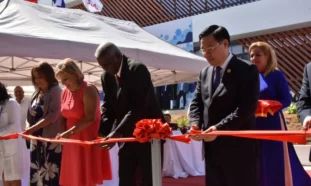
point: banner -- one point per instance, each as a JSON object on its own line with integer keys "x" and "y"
{"x": 59, "y": 3}
{"x": 93, "y": 5}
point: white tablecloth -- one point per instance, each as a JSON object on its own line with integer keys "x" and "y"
{"x": 181, "y": 160}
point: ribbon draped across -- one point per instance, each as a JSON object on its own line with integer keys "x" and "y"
{"x": 147, "y": 129}
{"x": 284, "y": 136}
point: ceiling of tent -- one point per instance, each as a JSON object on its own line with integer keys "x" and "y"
{"x": 17, "y": 71}
{"x": 31, "y": 33}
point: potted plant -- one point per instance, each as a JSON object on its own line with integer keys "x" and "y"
{"x": 183, "y": 124}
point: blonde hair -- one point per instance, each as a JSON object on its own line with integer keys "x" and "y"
{"x": 70, "y": 67}
{"x": 268, "y": 51}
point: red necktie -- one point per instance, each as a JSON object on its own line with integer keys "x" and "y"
{"x": 118, "y": 78}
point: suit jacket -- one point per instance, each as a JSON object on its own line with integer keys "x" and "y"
{"x": 51, "y": 111}
{"x": 132, "y": 101}
{"x": 304, "y": 101}
{"x": 232, "y": 105}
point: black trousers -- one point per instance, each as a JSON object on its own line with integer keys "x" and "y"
{"x": 231, "y": 164}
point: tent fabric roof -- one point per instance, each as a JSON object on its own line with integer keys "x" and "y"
{"x": 31, "y": 33}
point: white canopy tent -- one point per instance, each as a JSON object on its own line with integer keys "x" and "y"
{"x": 30, "y": 33}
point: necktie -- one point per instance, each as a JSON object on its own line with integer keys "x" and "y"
{"x": 118, "y": 78}
{"x": 216, "y": 77}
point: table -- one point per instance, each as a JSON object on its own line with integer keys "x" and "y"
{"x": 182, "y": 160}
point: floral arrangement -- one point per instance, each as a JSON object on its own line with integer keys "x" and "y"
{"x": 151, "y": 128}
{"x": 183, "y": 123}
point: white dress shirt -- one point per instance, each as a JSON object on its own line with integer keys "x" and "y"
{"x": 225, "y": 64}
{"x": 25, "y": 104}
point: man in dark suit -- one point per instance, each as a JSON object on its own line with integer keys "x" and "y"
{"x": 129, "y": 97}
{"x": 304, "y": 101}
{"x": 225, "y": 99}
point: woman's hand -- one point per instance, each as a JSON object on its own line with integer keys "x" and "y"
{"x": 64, "y": 135}
{"x": 32, "y": 111}
{"x": 29, "y": 131}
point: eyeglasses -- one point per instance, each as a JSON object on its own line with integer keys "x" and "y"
{"x": 210, "y": 49}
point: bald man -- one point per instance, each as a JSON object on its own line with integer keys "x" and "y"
{"x": 129, "y": 97}
{"x": 24, "y": 103}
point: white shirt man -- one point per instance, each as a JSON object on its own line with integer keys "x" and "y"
{"x": 24, "y": 103}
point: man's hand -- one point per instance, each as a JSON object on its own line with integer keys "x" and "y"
{"x": 195, "y": 137}
{"x": 195, "y": 127}
{"x": 209, "y": 138}
{"x": 211, "y": 129}
{"x": 306, "y": 123}
{"x": 110, "y": 145}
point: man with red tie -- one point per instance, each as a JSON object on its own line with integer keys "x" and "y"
{"x": 129, "y": 97}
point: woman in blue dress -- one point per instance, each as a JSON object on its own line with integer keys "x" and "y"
{"x": 279, "y": 163}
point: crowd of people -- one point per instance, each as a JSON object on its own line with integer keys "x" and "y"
{"x": 226, "y": 97}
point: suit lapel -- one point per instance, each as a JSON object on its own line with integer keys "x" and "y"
{"x": 210, "y": 81}
{"x": 309, "y": 77}
{"x": 226, "y": 74}
{"x": 218, "y": 89}
{"x": 111, "y": 87}
{"x": 123, "y": 76}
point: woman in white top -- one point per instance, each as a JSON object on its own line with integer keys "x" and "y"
{"x": 13, "y": 163}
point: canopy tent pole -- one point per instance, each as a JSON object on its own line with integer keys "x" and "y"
{"x": 156, "y": 162}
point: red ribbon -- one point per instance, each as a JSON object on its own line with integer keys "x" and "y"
{"x": 267, "y": 106}
{"x": 10, "y": 136}
{"x": 147, "y": 129}
{"x": 284, "y": 136}
{"x": 33, "y": 1}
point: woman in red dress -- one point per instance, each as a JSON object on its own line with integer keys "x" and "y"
{"x": 80, "y": 108}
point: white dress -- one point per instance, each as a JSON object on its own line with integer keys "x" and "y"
{"x": 14, "y": 158}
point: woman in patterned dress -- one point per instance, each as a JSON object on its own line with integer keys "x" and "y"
{"x": 44, "y": 118}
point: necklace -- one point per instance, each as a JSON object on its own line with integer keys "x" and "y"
{"x": 72, "y": 94}
{"x": 71, "y": 97}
